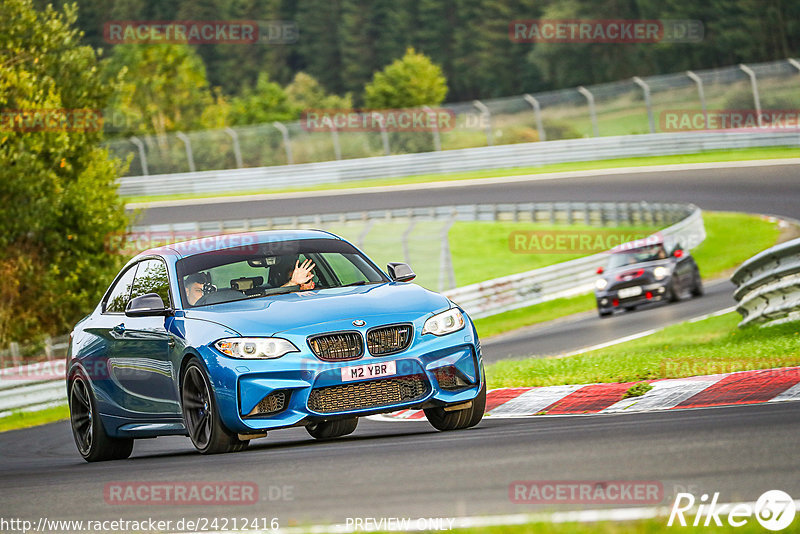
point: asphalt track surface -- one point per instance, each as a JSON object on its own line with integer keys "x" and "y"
{"x": 406, "y": 469}
{"x": 769, "y": 189}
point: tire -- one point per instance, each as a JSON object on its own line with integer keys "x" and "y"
{"x": 443, "y": 420}
{"x": 630, "y": 308}
{"x": 674, "y": 291}
{"x": 332, "y": 429}
{"x": 93, "y": 443}
{"x": 604, "y": 313}
{"x": 697, "y": 287}
{"x": 201, "y": 414}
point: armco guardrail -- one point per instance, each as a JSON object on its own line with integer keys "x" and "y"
{"x": 469, "y": 159}
{"x": 768, "y": 286}
{"x": 40, "y": 385}
{"x": 32, "y": 387}
{"x": 557, "y": 281}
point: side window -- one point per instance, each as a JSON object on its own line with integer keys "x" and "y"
{"x": 152, "y": 278}
{"x": 121, "y": 293}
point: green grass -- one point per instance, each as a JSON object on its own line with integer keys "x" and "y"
{"x": 27, "y": 419}
{"x": 481, "y": 250}
{"x": 539, "y": 313}
{"x": 702, "y": 157}
{"x": 714, "y": 345}
{"x": 731, "y": 238}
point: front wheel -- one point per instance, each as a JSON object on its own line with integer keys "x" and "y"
{"x": 201, "y": 417}
{"x": 94, "y": 444}
{"x": 469, "y": 417}
{"x": 697, "y": 288}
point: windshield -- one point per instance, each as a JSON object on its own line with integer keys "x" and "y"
{"x": 638, "y": 255}
{"x": 273, "y": 269}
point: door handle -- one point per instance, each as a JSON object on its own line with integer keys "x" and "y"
{"x": 120, "y": 328}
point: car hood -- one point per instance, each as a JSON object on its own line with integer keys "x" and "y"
{"x": 274, "y": 314}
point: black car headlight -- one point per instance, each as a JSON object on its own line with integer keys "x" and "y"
{"x": 255, "y": 347}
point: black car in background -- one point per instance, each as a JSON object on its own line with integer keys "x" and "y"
{"x": 643, "y": 274}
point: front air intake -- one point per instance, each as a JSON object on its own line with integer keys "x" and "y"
{"x": 337, "y": 347}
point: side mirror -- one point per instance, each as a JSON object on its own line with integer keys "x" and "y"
{"x": 600, "y": 270}
{"x": 677, "y": 252}
{"x": 146, "y": 306}
{"x": 400, "y": 272}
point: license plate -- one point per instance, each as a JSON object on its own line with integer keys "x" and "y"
{"x": 627, "y": 292}
{"x": 371, "y": 370}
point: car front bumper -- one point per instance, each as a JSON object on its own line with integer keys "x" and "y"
{"x": 303, "y": 388}
{"x": 609, "y": 299}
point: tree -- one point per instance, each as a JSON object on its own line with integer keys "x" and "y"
{"x": 266, "y": 102}
{"x": 57, "y": 186}
{"x": 305, "y": 92}
{"x": 163, "y": 87}
{"x": 410, "y": 81}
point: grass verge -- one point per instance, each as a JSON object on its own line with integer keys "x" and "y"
{"x": 702, "y": 157}
{"x": 731, "y": 238}
{"x": 714, "y": 345}
{"x": 27, "y": 419}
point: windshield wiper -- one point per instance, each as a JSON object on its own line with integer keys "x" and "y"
{"x": 359, "y": 283}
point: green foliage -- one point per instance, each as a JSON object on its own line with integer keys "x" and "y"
{"x": 57, "y": 187}
{"x": 305, "y": 92}
{"x": 411, "y": 81}
{"x": 163, "y": 87}
{"x": 266, "y": 102}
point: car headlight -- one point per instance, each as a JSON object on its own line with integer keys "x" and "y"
{"x": 660, "y": 272}
{"x": 601, "y": 283}
{"x": 255, "y": 347}
{"x": 443, "y": 323}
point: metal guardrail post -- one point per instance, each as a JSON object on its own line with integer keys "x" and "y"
{"x": 646, "y": 88}
{"x": 488, "y": 115}
{"x": 142, "y": 155}
{"x": 287, "y": 145}
{"x": 537, "y": 111}
{"x": 337, "y": 149}
{"x": 406, "y": 234}
{"x": 701, "y": 92}
{"x": 446, "y": 273}
{"x": 592, "y": 111}
{"x": 188, "y": 144}
{"x": 437, "y": 139}
{"x": 13, "y": 349}
{"x": 237, "y": 151}
{"x": 754, "y": 84}
{"x": 384, "y": 134}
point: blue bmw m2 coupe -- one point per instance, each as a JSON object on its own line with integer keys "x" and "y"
{"x": 225, "y": 338}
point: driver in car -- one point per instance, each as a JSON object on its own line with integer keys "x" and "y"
{"x": 193, "y": 285}
{"x": 302, "y": 275}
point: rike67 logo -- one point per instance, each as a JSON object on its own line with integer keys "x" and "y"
{"x": 774, "y": 510}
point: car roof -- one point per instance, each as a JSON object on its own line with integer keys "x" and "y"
{"x": 212, "y": 243}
